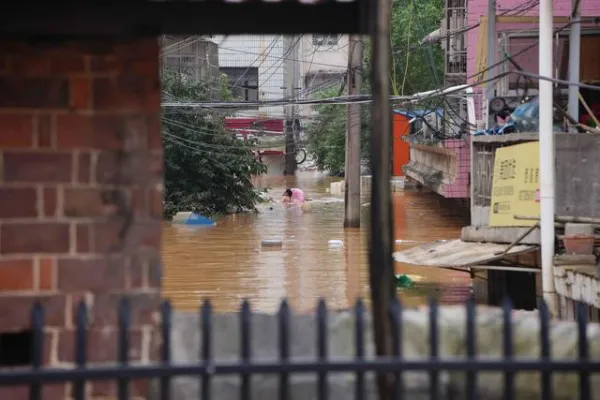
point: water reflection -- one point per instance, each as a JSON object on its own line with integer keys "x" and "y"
{"x": 227, "y": 263}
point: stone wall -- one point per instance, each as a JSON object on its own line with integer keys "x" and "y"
{"x": 226, "y": 335}
{"x": 80, "y": 194}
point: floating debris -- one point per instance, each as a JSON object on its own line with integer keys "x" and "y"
{"x": 335, "y": 243}
{"x": 403, "y": 281}
{"x": 271, "y": 243}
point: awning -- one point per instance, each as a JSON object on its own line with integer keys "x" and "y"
{"x": 457, "y": 254}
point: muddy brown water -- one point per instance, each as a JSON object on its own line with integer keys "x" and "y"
{"x": 227, "y": 263}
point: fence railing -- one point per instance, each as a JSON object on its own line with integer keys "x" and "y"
{"x": 208, "y": 367}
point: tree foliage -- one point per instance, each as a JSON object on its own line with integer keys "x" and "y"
{"x": 415, "y": 68}
{"x": 326, "y": 137}
{"x": 207, "y": 169}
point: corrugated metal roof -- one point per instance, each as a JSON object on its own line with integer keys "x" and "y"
{"x": 456, "y": 253}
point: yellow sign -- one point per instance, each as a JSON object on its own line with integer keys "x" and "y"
{"x": 516, "y": 185}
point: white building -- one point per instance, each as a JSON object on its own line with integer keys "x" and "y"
{"x": 256, "y": 67}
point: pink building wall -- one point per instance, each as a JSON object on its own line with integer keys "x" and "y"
{"x": 478, "y": 8}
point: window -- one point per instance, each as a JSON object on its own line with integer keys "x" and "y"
{"x": 243, "y": 82}
{"x": 325, "y": 40}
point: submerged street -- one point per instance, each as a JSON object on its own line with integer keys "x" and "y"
{"x": 227, "y": 263}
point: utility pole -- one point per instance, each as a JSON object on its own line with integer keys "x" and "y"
{"x": 574, "y": 60}
{"x": 352, "y": 161}
{"x": 547, "y": 154}
{"x": 491, "y": 57}
{"x": 381, "y": 244}
{"x": 292, "y": 70}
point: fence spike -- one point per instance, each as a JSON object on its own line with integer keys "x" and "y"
{"x": 37, "y": 350}
{"x": 124, "y": 321}
{"x": 81, "y": 321}
{"x": 284, "y": 347}
{"x": 471, "y": 343}
{"x": 397, "y": 332}
{"x": 584, "y": 376}
{"x": 434, "y": 375}
{"x": 165, "y": 382}
{"x": 359, "y": 346}
{"x": 206, "y": 347}
{"x": 545, "y": 348}
{"x": 245, "y": 349}
{"x": 509, "y": 381}
{"x": 322, "y": 339}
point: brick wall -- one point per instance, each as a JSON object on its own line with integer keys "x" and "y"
{"x": 80, "y": 193}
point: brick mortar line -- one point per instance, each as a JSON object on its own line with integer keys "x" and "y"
{"x": 157, "y": 185}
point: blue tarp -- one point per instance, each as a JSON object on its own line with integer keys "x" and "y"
{"x": 192, "y": 218}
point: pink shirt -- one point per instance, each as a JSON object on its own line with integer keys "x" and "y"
{"x": 297, "y": 195}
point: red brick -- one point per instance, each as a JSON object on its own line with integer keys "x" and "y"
{"x": 137, "y": 272}
{"x": 156, "y": 207}
{"x": 103, "y": 132}
{"x": 110, "y": 238}
{"x": 47, "y": 273}
{"x": 16, "y": 275}
{"x": 105, "y": 64}
{"x": 104, "y": 389}
{"x": 83, "y": 234}
{"x": 50, "y": 202}
{"x": 4, "y": 64}
{"x": 138, "y": 167}
{"x": 39, "y": 237}
{"x": 16, "y": 130}
{"x": 49, "y": 392}
{"x": 84, "y": 167}
{"x": 90, "y": 202}
{"x": 102, "y": 345}
{"x": 15, "y": 311}
{"x": 146, "y": 48}
{"x": 127, "y": 93}
{"x": 155, "y": 271}
{"x": 143, "y": 308}
{"x": 28, "y": 93}
{"x": 18, "y": 202}
{"x": 143, "y": 67}
{"x": 154, "y": 133}
{"x": 96, "y": 275}
{"x": 31, "y": 65}
{"x": 80, "y": 93}
{"x": 37, "y": 167}
{"x": 67, "y": 64}
{"x": 139, "y": 202}
{"x": 45, "y": 130}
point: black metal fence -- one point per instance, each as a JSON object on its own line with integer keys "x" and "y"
{"x": 37, "y": 375}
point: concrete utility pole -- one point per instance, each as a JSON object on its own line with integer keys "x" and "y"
{"x": 547, "y": 164}
{"x": 491, "y": 56}
{"x": 574, "y": 60}
{"x": 292, "y": 70}
{"x": 352, "y": 166}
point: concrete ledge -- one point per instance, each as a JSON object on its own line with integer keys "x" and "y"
{"x": 366, "y": 183}
{"x": 498, "y": 235}
{"x": 226, "y": 335}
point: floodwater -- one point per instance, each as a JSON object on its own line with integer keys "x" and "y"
{"x": 227, "y": 263}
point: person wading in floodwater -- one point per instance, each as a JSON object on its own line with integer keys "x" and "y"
{"x": 293, "y": 196}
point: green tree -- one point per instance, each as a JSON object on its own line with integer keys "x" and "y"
{"x": 326, "y": 136}
{"x": 415, "y": 68}
{"x": 207, "y": 169}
